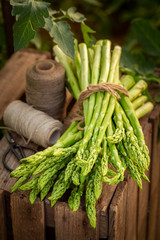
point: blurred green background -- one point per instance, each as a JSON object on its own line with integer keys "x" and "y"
{"x": 110, "y": 19}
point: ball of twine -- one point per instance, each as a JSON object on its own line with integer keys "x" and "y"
{"x": 32, "y": 124}
{"x": 45, "y": 87}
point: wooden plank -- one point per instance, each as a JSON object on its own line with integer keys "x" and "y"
{"x": 3, "y": 232}
{"x": 49, "y": 213}
{"x": 158, "y": 212}
{"x": 117, "y": 213}
{"x": 71, "y": 225}
{"x": 103, "y": 209}
{"x": 143, "y": 195}
{"x": 28, "y": 221}
{"x": 154, "y": 177}
{"x": 13, "y": 76}
{"x": 4, "y": 173}
{"x": 131, "y": 210}
{"x": 137, "y": 200}
{"x": 5, "y": 181}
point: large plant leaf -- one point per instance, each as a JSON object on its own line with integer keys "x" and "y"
{"x": 61, "y": 34}
{"x": 147, "y": 36}
{"x": 30, "y": 17}
{"x": 137, "y": 66}
{"x": 136, "y": 63}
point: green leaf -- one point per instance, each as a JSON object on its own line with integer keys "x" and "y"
{"x": 75, "y": 16}
{"x": 85, "y": 30}
{"x": 152, "y": 78}
{"x": 147, "y": 36}
{"x": 30, "y": 16}
{"x": 60, "y": 31}
{"x": 136, "y": 63}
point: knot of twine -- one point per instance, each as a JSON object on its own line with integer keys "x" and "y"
{"x": 101, "y": 87}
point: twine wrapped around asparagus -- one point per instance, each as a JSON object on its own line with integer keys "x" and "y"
{"x": 101, "y": 87}
{"x": 112, "y": 136}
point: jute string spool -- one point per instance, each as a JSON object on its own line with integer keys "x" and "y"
{"x": 32, "y": 124}
{"x": 45, "y": 87}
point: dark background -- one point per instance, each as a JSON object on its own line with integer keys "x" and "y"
{"x": 110, "y": 19}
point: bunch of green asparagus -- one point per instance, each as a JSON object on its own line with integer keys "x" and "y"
{"x": 111, "y": 141}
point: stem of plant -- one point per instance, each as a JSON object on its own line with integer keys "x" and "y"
{"x": 144, "y": 109}
{"x": 137, "y": 89}
{"x": 139, "y": 101}
{"x": 127, "y": 81}
{"x": 71, "y": 78}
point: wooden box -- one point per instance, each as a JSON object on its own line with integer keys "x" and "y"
{"x": 124, "y": 212}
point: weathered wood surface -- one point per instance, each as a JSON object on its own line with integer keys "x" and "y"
{"x": 5, "y": 181}
{"x": 104, "y": 207}
{"x": 131, "y": 210}
{"x": 3, "y": 231}
{"x": 13, "y": 76}
{"x": 73, "y": 225}
{"x": 143, "y": 194}
{"x": 84, "y": 226}
{"x": 12, "y": 86}
{"x": 154, "y": 176}
{"x": 158, "y": 211}
{"x": 28, "y": 221}
{"x": 117, "y": 213}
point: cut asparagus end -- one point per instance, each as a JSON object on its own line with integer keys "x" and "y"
{"x": 144, "y": 109}
{"x": 127, "y": 81}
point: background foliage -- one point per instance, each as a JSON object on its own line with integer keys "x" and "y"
{"x": 135, "y": 25}
{"x": 132, "y": 24}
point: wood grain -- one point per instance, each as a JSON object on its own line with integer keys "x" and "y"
{"x": 71, "y": 225}
{"x": 131, "y": 210}
{"x": 28, "y": 221}
{"x": 143, "y": 195}
{"x": 154, "y": 177}
{"x": 5, "y": 181}
{"x": 158, "y": 211}
{"x": 3, "y": 232}
{"x": 103, "y": 209}
{"x": 117, "y": 213}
